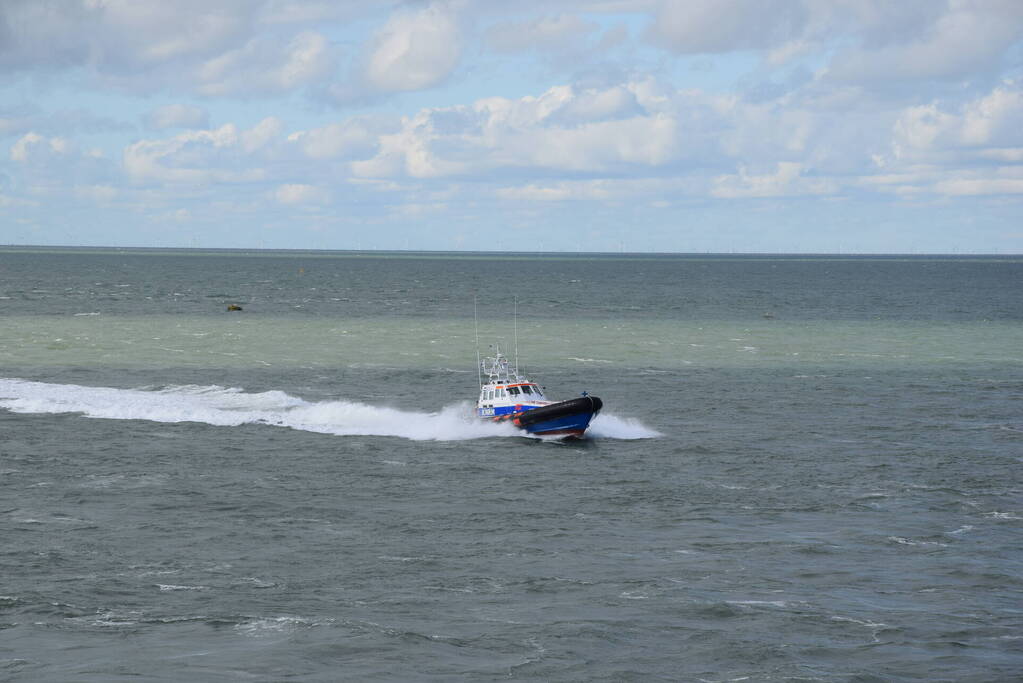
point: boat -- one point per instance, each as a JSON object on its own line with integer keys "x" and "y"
{"x": 507, "y": 396}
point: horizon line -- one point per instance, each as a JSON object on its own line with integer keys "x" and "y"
{"x": 301, "y": 250}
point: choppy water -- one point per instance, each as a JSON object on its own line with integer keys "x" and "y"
{"x": 807, "y": 469}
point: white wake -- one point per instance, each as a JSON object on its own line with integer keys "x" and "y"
{"x": 227, "y": 407}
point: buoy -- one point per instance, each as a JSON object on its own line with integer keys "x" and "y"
{"x": 234, "y": 307}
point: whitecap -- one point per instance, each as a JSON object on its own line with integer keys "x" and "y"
{"x": 1001, "y": 515}
{"x": 633, "y": 595}
{"x": 906, "y": 541}
{"x": 861, "y": 622}
{"x": 759, "y": 603}
{"x": 875, "y": 627}
{"x": 271, "y": 625}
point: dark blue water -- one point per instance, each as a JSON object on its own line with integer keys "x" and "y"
{"x": 807, "y": 469}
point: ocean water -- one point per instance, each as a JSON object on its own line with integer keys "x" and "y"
{"x": 807, "y": 468}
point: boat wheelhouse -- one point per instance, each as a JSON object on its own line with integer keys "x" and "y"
{"x": 504, "y": 391}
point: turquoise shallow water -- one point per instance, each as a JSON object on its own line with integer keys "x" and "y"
{"x": 807, "y": 469}
{"x": 262, "y": 341}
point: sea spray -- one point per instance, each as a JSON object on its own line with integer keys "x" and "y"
{"x": 606, "y": 426}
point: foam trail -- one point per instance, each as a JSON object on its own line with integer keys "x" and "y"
{"x": 227, "y": 407}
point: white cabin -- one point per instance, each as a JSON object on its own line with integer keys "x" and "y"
{"x": 504, "y": 391}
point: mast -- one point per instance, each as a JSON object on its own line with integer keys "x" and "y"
{"x": 476, "y": 329}
{"x": 515, "y": 325}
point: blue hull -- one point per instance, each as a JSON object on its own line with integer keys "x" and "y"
{"x": 573, "y": 425}
{"x": 568, "y": 418}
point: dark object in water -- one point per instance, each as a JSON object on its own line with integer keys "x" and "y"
{"x": 234, "y": 307}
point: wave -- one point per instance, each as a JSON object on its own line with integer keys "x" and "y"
{"x": 229, "y": 407}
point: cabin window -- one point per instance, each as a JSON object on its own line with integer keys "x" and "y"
{"x": 514, "y": 391}
{"x": 526, "y": 390}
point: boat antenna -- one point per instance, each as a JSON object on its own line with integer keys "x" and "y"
{"x": 476, "y": 329}
{"x": 515, "y": 325}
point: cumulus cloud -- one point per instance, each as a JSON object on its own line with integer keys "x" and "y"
{"x": 177, "y": 116}
{"x": 414, "y": 50}
{"x": 275, "y": 12}
{"x": 35, "y": 34}
{"x": 20, "y": 119}
{"x": 602, "y": 190}
{"x": 264, "y": 48}
{"x": 646, "y": 130}
{"x": 988, "y": 126}
{"x": 973, "y": 148}
{"x": 261, "y": 135}
{"x": 968, "y": 37}
{"x": 536, "y": 193}
{"x": 266, "y": 66}
{"x": 617, "y": 102}
{"x": 862, "y": 42}
{"x": 54, "y": 166}
{"x": 962, "y": 187}
{"x": 787, "y": 181}
{"x": 15, "y": 120}
{"x": 636, "y": 139}
{"x": 218, "y": 49}
{"x": 640, "y": 128}
{"x": 556, "y": 33}
{"x": 32, "y": 146}
{"x": 118, "y": 35}
{"x": 100, "y": 194}
{"x": 154, "y": 31}
{"x": 526, "y": 133}
{"x": 10, "y": 202}
{"x": 354, "y": 138}
{"x": 221, "y": 155}
{"x": 297, "y": 193}
{"x": 699, "y": 26}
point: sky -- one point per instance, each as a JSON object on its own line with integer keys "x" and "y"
{"x": 775, "y": 126}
